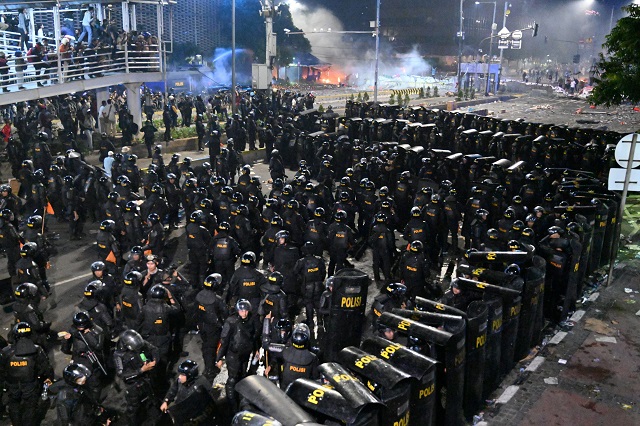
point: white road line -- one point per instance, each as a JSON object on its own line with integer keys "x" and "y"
{"x": 537, "y": 362}
{"x": 507, "y": 394}
{"x": 577, "y": 315}
{"x": 558, "y": 337}
{"x": 79, "y": 277}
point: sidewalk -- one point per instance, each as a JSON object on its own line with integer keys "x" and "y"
{"x": 588, "y": 375}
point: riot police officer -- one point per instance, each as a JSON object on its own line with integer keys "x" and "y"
{"x": 130, "y": 300}
{"x": 198, "y": 240}
{"x": 246, "y": 281}
{"x": 98, "y": 311}
{"x": 9, "y": 241}
{"x": 393, "y": 296}
{"x": 184, "y": 386}
{"x": 274, "y": 303}
{"x": 285, "y": 256}
{"x": 154, "y": 236}
{"x": 25, "y": 309}
{"x": 210, "y": 313}
{"x": 224, "y": 252}
{"x": 297, "y": 360}
{"x": 24, "y": 367}
{"x": 340, "y": 240}
{"x": 75, "y": 406}
{"x": 414, "y": 271}
{"x": 135, "y": 358}
{"x": 383, "y": 246}
{"x": 239, "y": 340}
{"x": 311, "y": 272}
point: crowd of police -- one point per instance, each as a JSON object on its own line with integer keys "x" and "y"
{"x": 271, "y": 289}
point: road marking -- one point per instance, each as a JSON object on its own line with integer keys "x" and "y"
{"x": 537, "y": 362}
{"x": 606, "y": 339}
{"x": 507, "y": 394}
{"x": 79, "y": 277}
{"x": 558, "y": 337}
{"x": 577, "y": 315}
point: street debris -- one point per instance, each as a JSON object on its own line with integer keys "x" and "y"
{"x": 551, "y": 380}
{"x": 562, "y": 361}
{"x": 599, "y": 327}
{"x": 606, "y": 339}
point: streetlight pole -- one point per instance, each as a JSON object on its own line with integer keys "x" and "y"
{"x": 504, "y": 25}
{"x": 375, "y": 72}
{"x": 493, "y": 29}
{"x": 460, "y": 37}
{"x": 233, "y": 57}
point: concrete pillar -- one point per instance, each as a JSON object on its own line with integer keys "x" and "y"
{"x": 134, "y": 103}
{"x": 102, "y": 94}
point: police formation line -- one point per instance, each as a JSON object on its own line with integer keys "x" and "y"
{"x": 536, "y": 220}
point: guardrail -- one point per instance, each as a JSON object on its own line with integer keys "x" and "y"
{"x": 56, "y": 67}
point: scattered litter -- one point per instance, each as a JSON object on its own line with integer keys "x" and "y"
{"x": 599, "y": 327}
{"x": 626, "y": 407}
{"x": 614, "y": 322}
{"x": 577, "y": 315}
{"x": 596, "y": 360}
{"x": 628, "y": 290}
{"x": 551, "y": 380}
{"x": 478, "y": 418}
{"x": 638, "y": 313}
{"x": 562, "y": 361}
{"x": 537, "y": 362}
{"x": 606, "y": 339}
{"x": 630, "y": 301}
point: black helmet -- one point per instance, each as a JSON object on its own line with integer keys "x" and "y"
{"x": 300, "y": 336}
{"x": 28, "y": 249}
{"x": 246, "y": 169}
{"x": 107, "y": 225}
{"x": 7, "y": 188}
{"x": 137, "y": 250}
{"x": 555, "y": 230}
{"x": 248, "y": 258}
{"x": 133, "y": 278}
{"x": 131, "y": 340}
{"x": 512, "y": 269}
{"x": 493, "y": 234}
{"x": 76, "y": 374}
{"x": 276, "y": 278}
{"x": 91, "y": 289}
{"x": 435, "y": 198}
{"x": 158, "y": 292}
{"x": 517, "y": 199}
{"x": 196, "y": 217}
{"x": 276, "y": 221}
{"x": 416, "y": 246}
{"x": 527, "y": 232}
{"x": 340, "y": 216}
{"x": 283, "y": 327}
{"x": 509, "y": 213}
{"x": 396, "y": 289}
{"x": 282, "y": 234}
{"x": 237, "y": 197}
{"x": 223, "y": 226}
{"x": 293, "y": 204}
{"x": 518, "y": 225}
{"x": 131, "y": 206}
{"x": 34, "y": 221}
{"x": 171, "y": 176}
{"x": 189, "y": 368}
{"x": 26, "y": 291}
{"x": 206, "y": 204}
{"x": 469, "y": 251}
{"x": 415, "y": 211}
{"x": 319, "y": 212}
{"x": 153, "y": 218}
{"x": 243, "y": 210}
{"x": 98, "y": 266}
{"x": 156, "y": 188}
{"x": 574, "y": 227}
{"x": 213, "y": 282}
{"x": 243, "y": 305}
{"x": 22, "y": 330}
{"x": 7, "y": 215}
{"x": 381, "y": 218}
{"x": 481, "y": 212}
{"x": 514, "y": 245}
{"x": 308, "y": 247}
{"x": 82, "y": 320}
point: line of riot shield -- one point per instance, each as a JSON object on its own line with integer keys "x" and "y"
{"x": 450, "y": 351}
{"x": 476, "y": 349}
{"x": 536, "y": 274}
{"x": 423, "y": 304}
{"x": 511, "y": 305}
{"x": 518, "y": 257}
{"x": 599, "y": 231}
{"x": 272, "y": 400}
{"x": 249, "y": 418}
{"x": 348, "y": 304}
{"x": 391, "y": 385}
{"x": 364, "y": 404}
{"x": 326, "y": 402}
{"x": 418, "y": 366}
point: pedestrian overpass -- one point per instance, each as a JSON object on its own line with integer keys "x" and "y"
{"x": 131, "y": 49}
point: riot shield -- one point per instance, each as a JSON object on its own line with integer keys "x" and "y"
{"x": 198, "y": 408}
{"x": 476, "y": 348}
{"x": 248, "y": 418}
{"x": 420, "y": 367}
{"x": 348, "y": 304}
{"x": 599, "y": 230}
{"x": 391, "y": 385}
{"x": 518, "y": 257}
{"x": 423, "y": 304}
{"x": 328, "y": 402}
{"x": 451, "y": 354}
{"x": 536, "y": 274}
{"x": 270, "y": 399}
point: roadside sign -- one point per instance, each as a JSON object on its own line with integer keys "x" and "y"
{"x": 623, "y": 148}
{"x": 616, "y": 180}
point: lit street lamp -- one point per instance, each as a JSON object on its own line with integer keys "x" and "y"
{"x": 493, "y": 28}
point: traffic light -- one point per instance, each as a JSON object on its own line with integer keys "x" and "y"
{"x": 576, "y": 59}
{"x": 535, "y": 29}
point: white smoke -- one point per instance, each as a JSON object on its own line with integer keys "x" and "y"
{"x": 355, "y": 56}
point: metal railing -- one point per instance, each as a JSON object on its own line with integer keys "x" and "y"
{"x": 54, "y": 67}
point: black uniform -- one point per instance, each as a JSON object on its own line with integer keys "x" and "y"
{"x": 10, "y": 242}
{"x": 311, "y": 271}
{"x": 198, "y": 240}
{"x": 224, "y": 252}
{"x": 156, "y": 324}
{"x": 240, "y": 338}
{"x": 210, "y": 312}
{"x": 24, "y": 366}
{"x": 340, "y": 240}
{"x": 297, "y": 364}
{"x": 383, "y": 246}
{"x": 245, "y": 284}
{"x": 79, "y": 351}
